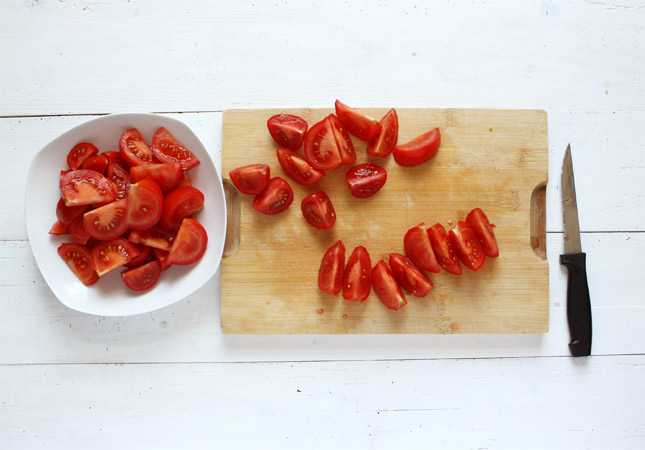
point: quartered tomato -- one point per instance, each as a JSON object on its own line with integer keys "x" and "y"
{"x": 97, "y": 163}
{"x": 297, "y": 167}
{"x": 59, "y": 228}
{"x": 190, "y": 243}
{"x": 468, "y": 247}
{"x": 142, "y": 277}
{"x": 78, "y": 232}
{"x": 251, "y": 179}
{"x": 386, "y": 287}
{"x": 384, "y": 142}
{"x": 318, "y": 210}
{"x": 79, "y": 259}
{"x": 84, "y": 187}
{"x": 409, "y": 276}
{"x": 145, "y": 252}
{"x": 365, "y": 180}
{"x": 419, "y": 249}
{"x": 277, "y": 197}
{"x": 109, "y": 255}
{"x": 359, "y": 124}
{"x": 119, "y": 178}
{"x": 357, "y": 279}
{"x": 115, "y": 157}
{"x": 321, "y": 149}
{"x": 162, "y": 257}
{"x": 169, "y": 150}
{"x": 80, "y": 153}
{"x": 65, "y": 214}
{"x": 179, "y": 203}
{"x": 185, "y": 179}
{"x": 418, "y": 150}
{"x": 287, "y": 130}
{"x": 443, "y": 249}
{"x": 165, "y": 175}
{"x": 134, "y": 149}
{"x": 108, "y": 221}
{"x": 145, "y": 204}
{"x": 484, "y": 231}
{"x": 343, "y": 141}
{"x": 155, "y": 237}
{"x": 330, "y": 274}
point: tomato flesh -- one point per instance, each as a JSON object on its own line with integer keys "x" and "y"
{"x": 111, "y": 254}
{"x": 143, "y": 277}
{"x": 321, "y": 149}
{"x": 65, "y": 214}
{"x": 419, "y": 149}
{"x": 79, "y": 259}
{"x": 108, "y": 221}
{"x": 134, "y": 149}
{"x": 296, "y": 166}
{"x": 384, "y": 142}
{"x": 468, "y": 247}
{"x": 190, "y": 243}
{"x": 483, "y": 229}
{"x": 155, "y": 237}
{"x": 359, "y": 124}
{"x": 79, "y": 153}
{"x": 318, "y": 210}
{"x": 59, "y": 228}
{"x": 287, "y": 130}
{"x": 443, "y": 249}
{"x": 145, "y": 204}
{"x": 77, "y": 231}
{"x": 119, "y": 178}
{"x": 332, "y": 266}
{"x": 386, "y": 287}
{"x": 357, "y": 279}
{"x": 277, "y": 197}
{"x": 169, "y": 150}
{"x": 409, "y": 276}
{"x": 251, "y": 179}
{"x": 85, "y": 187}
{"x": 365, "y": 180}
{"x": 165, "y": 175}
{"x": 419, "y": 249}
{"x": 97, "y": 163}
{"x": 344, "y": 142}
{"x": 144, "y": 255}
{"x": 179, "y": 203}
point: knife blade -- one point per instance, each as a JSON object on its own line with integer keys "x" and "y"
{"x": 574, "y": 259}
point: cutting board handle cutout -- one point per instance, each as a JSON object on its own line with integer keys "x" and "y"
{"x": 538, "y": 220}
{"x": 232, "y": 242}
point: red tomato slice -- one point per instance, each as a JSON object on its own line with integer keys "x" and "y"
{"x": 321, "y": 149}
{"x": 84, "y": 187}
{"x": 145, "y": 203}
{"x": 296, "y": 166}
{"x": 144, "y": 255}
{"x": 359, "y": 124}
{"x": 330, "y": 274}
{"x": 357, "y": 281}
{"x": 179, "y": 203}
{"x": 419, "y": 149}
{"x": 79, "y": 259}
{"x": 468, "y": 247}
{"x": 59, "y": 228}
{"x": 119, "y": 178}
{"x": 66, "y": 214}
{"x": 287, "y": 130}
{"x": 386, "y": 287}
{"x": 116, "y": 158}
{"x": 343, "y": 141}
{"x": 484, "y": 231}
{"x": 184, "y": 180}
{"x": 108, "y": 221}
{"x": 162, "y": 257}
{"x": 134, "y": 149}
{"x": 277, "y": 197}
{"x": 165, "y": 175}
{"x": 318, "y": 210}
{"x": 80, "y": 153}
{"x": 419, "y": 249}
{"x": 190, "y": 243}
{"x": 143, "y": 277}
{"x": 443, "y": 249}
{"x": 97, "y": 163}
{"x": 78, "y": 232}
{"x": 384, "y": 142}
{"x": 169, "y": 150}
{"x": 109, "y": 255}
{"x": 251, "y": 179}
{"x": 154, "y": 237}
{"x": 409, "y": 276}
{"x": 365, "y": 180}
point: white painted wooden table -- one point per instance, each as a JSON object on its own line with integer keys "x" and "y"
{"x": 171, "y": 379}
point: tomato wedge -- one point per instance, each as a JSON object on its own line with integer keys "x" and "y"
{"x": 251, "y": 179}
{"x": 287, "y": 130}
{"x": 97, "y": 163}
{"x": 65, "y": 214}
{"x": 179, "y": 203}
{"x": 384, "y": 142}
{"x": 79, "y": 153}
{"x": 409, "y": 276}
{"x": 330, "y": 274}
{"x": 134, "y": 149}
{"x": 109, "y": 255}
{"x": 165, "y": 175}
{"x": 365, "y": 180}
{"x": 190, "y": 243}
{"x": 419, "y": 149}
{"x": 169, "y": 150}
{"x": 162, "y": 257}
{"x": 296, "y": 166}
{"x": 115, "y": 157}
{"x": 321, "y": 149}
{"x": 108, "y": 221}
{"x": 144, "y": 255}
{"x": 318, "y": 210}
{"x": 79, "y": 259}
{"x": 343, "y": 141}
{"x": 468, "y": 247}
{"x": 359, "y": 124}
{"x": 155, "y": 237}
{"x": 443, "y": 249}
{"x": 386, "y": 287}
{"x": 77, "y": 231}
{"x": 277, "y": 197}
{"x": 84, "y": 187}
{"x": 143, "y": 277}
{"x": 145, "y": 204}
{"x": 484, "y": 231}
{"x": 185, "y": 179}
{"x": 357, "y": 280}
{"x": 119, "y": 178}
{"x": 419, "y": 249}
{"x": 59, "y": 228}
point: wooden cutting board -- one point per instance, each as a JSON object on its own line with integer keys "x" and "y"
{"x": 492, "y": 159}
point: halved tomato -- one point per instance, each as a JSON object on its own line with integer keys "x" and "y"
{"x": 287, "y": 130}
{"x": 365, "y": 180}
{"x": 277, "y": 197}
{"x": 97, "y": 163}
{"x": 143, "y": 277}
{"x": 134, "y": 149}
{"x": 165, "y": 175}
{"x": 190, "y": 243}
{"x": 169, "y": 150}
{"x": 409, "y": 276}
{"x": 59, "y": 228}
{"x": 79, "y": 259}
{"x": 84, "y": 187}
{"x": 357, "y": 280}
{"x": 155, "y": 237}
{"x": 321, "y": 149}
{"x": 359, "y": 124}
{"x": 318, "y": 210}
{"x": 419, "y": 249}
{"x": 297, "y": 167}
{"x": 144, "y": 255}
{"x": 443, "y": 249}
{"x": 343, "y": 141}
{"x": 468, "y": 247}
{"x": 145, "y": 203}
{"x": 109, "y": 255}
{"x": 77, "y": 231}
{"x": 386, "y": 287}
{"x": 484, "y": 231}
{"x": 79, "y": 153}
{"x": 384, "y": 142}
{"x": 251, "y": 179}
{"x": 179, "y": 203}
{"x": 330, "y": 274}
{"x": 66, "y": 214}
{"x": 108, "y": 221}
{"x": 419, "y": 149}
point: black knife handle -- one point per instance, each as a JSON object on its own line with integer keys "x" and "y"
{"x": 578, "y": 303}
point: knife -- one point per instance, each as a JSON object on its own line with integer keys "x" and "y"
{"x": 578, "y": 300}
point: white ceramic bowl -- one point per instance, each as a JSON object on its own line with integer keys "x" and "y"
{"x": 109, "y": 296}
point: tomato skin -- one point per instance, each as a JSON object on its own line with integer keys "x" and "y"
{"x": 155, "y": 237}
{"x": 65, "y": 214}
{"x": 115, "y": 157}
{"x": 79, "y": 259}
{"x": 79, "y": 153}
{"x": 318, "y": 210}
{"x": 296, "y": 166}
{"x": 134, "y": 149}
{"x": 145, "y": 204}
{"x": 165, "y": 175}
{"x": 321, "y": 149}
{"x": 112, "y": 254}
{"x": 409, "y": 276}
{"x": 97, "y": 163}
{"x": 484, "y": 231}
{"x": 357, "y": 279}
{"x": 251, "y": 179}
{"x": 162, "y": 257}
{"x": 365, "y": 180}
{"x": 443, "y": 249}
{"x": 468, "y": 247}
{"x": 85, "y": 187}
{"x": 344, "y": 142}
{"x": 287, "y": 130}
{"x": 419, "y": 249}
{"x": 59, "y": 228}
{"x": 277, "y": 197}
{"x": 144, "y": 255}
{"x": 330, "y": 274}
{"x": 119, "y": 178}
{"x": 77, "y": 231}
{"x": 359, "y": 124}
{"x": 169, "y": 150}
{"x": 108, "y": 221}
{"x": 384, "y": 142}
{"x": 386, "y": 287}
{"x": 179, "y": 203}
{"x": 143, "y": 277}
{"x": 190, "y": 243}
{"x": 419, "y": 149}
